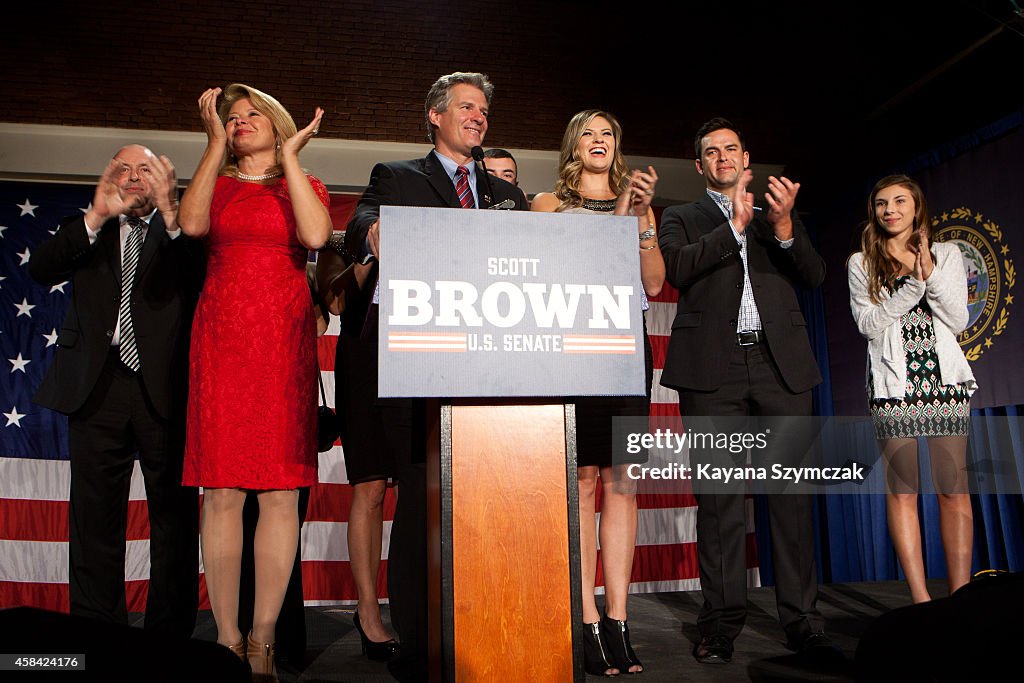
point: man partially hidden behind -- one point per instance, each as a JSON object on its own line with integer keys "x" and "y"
{"x": 500, "y": 162}
{"x": 456, "y": 111}
{"x": 739, "y": 348}
{"x": 119, "y": 374}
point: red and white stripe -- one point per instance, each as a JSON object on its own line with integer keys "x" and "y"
{"x": 426, "y": 341}
{"x": 599, "y": 343}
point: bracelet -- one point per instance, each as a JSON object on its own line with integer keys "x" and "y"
{"x": 336, "y": 243}
{"x": 653, "y": 246}
{"x": 648, "y": 233}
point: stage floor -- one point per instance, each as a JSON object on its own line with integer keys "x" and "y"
{"x": 663, "y": 631}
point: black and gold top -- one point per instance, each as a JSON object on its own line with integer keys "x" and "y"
{"x": 599, "y": 205}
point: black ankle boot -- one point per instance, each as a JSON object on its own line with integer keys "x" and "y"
{"x": 622, "y": 655}
{"x": 595, "y": 651}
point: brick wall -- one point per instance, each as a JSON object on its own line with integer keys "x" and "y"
{"x": 369, "y": 64}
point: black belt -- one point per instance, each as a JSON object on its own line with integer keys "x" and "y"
{"x": 749, "y": 337}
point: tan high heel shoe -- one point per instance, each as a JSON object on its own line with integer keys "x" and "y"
{"x": 261, "y": 660}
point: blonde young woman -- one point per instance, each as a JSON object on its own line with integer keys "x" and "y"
{"x": 909, "y": 300}
{"x": 593, "y": 178}
{"x": 252, "y": 377}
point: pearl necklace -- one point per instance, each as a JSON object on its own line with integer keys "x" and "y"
{"x": 255, "y": 178}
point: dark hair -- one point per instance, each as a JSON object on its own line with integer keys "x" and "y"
{"x": 440, "y": 94}
{"x": 717, "y": 123}
{"x": 499, "y": 153}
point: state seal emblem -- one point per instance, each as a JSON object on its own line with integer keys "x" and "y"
{"x": 991, "y": 276}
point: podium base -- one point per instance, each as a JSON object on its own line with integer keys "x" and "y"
{"x": 503, "y": 558}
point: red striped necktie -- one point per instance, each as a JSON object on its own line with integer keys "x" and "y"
{"x": 462, "y": 188}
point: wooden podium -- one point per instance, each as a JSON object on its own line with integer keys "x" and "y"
{"x": 503, "y": 556}
{"x": 489, "y": 307}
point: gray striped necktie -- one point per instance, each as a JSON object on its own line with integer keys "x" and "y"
{"x": 132, "y": 247}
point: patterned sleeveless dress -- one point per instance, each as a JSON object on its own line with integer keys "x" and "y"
{"x": 929, "y": 407}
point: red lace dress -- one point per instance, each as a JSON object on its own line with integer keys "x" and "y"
{"x": 252, "y": 375}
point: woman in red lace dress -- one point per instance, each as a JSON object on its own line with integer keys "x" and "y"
{"x": 252, "y": 378}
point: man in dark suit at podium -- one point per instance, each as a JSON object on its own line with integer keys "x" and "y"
{"x": 456, "y": 114}
{"x": 120, "y": 375}
{"x": 739, "y": 347}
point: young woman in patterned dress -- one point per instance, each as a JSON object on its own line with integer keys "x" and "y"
{"x": 909, "y": 300}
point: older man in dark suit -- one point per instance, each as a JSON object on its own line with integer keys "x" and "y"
{"x": 119, "y": 375}
{"x": 456, "y": 111}
{"x": 739, "y": 347}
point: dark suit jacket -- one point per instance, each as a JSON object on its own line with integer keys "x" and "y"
{"x": 163, "y": 300}
{"x": 702, "y": 260}
{"x": 419, "y": 182}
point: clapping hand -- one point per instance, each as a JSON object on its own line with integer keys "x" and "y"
{"x": 211, "y": 120}
{"x": 108, "y": 200}
{"x": 923, "y": 264}
{"x": 781, "y": 197}
{"x": 294, "y": 144}
{"x": 636, "y": 199}
{"x": 641, "y": 190}
{"x": 164, "y": 186}
{"x": 742, "y": 202}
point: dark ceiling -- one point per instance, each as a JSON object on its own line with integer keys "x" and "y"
{"x": 836, "y": 91}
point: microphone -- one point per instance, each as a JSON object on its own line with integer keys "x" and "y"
{"x": 478, "y": 156}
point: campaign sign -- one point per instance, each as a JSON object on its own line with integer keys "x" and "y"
{"x": 509, "y": 303}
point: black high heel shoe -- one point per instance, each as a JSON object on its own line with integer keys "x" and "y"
{"x": 377, "y": 652}
{"x": 622, "y": 653}
{"x": 595, "y": 651}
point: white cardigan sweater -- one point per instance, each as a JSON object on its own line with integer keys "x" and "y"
{"x": 946, "y": 294}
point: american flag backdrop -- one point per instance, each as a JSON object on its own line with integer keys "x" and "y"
{"x": 34, "y": 469}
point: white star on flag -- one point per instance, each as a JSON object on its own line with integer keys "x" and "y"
{"x": 24, "y": 308}
{"x": 2, "y": 228}
{"x": 2, "y": 278}
{"x": 59, "y": 287}
{"x": 51, "y": 338}
{"x": 19, "y": 364}
{"x": 25, "y": 256}
{"x": 28, "y": 208}
{"x": 13, "y": 417}
{"x": 86, "y": 209}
